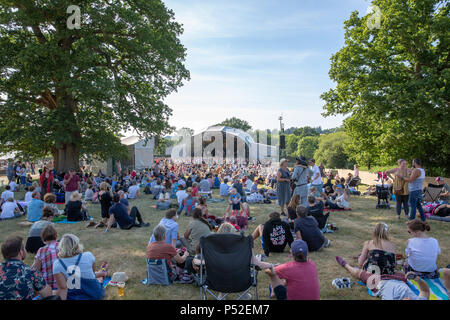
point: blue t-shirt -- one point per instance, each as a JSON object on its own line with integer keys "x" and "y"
{"x": 85, "y": 265}
{"x": 224, "y": 189}
{"x": 34, "y": 210}
{"x": 171, "y": 230}
{"x": 121, "y": 215}
{"x": 125, "y": 202}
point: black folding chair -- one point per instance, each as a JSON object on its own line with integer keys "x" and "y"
{"x": 432, "y": 193}
{"x": 228, "y": 266}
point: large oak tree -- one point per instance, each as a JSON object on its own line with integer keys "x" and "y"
{"x": 71, "y": 92}
{"x": 393, "y": 81}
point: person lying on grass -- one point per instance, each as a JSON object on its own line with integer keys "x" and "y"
{"x": 388, "y": 287}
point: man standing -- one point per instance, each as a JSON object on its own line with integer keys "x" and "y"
{"x": 316, "y": 180}
{"x": 71, "y": 183}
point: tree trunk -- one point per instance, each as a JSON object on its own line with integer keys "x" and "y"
{"x": 67, "y": 154}
{"x": 67, "y": 157}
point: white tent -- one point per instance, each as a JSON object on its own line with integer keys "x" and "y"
{"x": 141, "y": 153}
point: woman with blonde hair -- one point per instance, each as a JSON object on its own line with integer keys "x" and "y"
{"x": 74, "y": 271}
{"x": 400, "y": 187}
{"x": 379, "y": 253}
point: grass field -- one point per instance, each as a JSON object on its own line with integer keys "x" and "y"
{"x": 125, "y": 250}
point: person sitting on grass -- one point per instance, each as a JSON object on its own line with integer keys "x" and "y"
{"x": 34, "y": 240}
{"x": 379, "y": 251}
{"x": 315, "y": 209}
{"x": 171, "y": 228}
{"x": 125, "y": 219}
{"x": 388, "y": 287}
{"x": 17, "y": 280}
{"x": 196, "y": 229}
{"x": 292, "y": 207}
{"x": 50, "y": 202}
{"x": 307, "y": 228}
{"x": 224, "y": 188}
{"x": 10, "y": 210}
{"x": 47, "y": 255}
{"x": 75, "y": 209}
{"x": 275, "y": 234}
{"x": 160, "y": 249}
{"x": 341, "y": 202}
{"x": 302, "y": 281}
{"x": 34, "y": 208}
{"x": 421, "y": 251}
{"x": 88, "y": 282}
{"x": 133, "y": 190}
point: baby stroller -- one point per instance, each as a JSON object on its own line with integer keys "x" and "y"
{"x": 383, "y": 195}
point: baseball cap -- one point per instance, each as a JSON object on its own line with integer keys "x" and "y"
{"x": 299, "y": 246}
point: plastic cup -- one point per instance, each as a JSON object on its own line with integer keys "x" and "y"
{"x": 121, "y": 288}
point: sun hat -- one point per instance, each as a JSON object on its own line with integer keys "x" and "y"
{"x": 118, "y": 277}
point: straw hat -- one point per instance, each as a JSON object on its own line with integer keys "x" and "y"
{"x": 75, "y": 196}
{"x": 282, "y": 161}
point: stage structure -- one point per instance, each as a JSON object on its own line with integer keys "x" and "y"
{"x": 225, "y": 144}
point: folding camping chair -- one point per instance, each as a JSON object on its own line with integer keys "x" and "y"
{"x": 432, "y": 193}
{"x": 158, "y": 272}
{"x": 227, "y": 260}
{"x": 354, "y": 182}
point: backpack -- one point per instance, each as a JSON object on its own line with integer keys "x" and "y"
{"x": 90, "y": 289}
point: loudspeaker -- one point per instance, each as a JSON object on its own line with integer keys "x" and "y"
{"x": 282, "y": 142}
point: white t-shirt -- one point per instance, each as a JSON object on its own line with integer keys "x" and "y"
{"x": 181, "y": 195}
{"x": 422, "y": 254}
{"x": 8, "y": 210}
{"x": 13, "y": 186}
{"x": 7, "y": 194}
{"x": 341, "y": 202}
{"x": 132, "y": 192}
{"x": 316, "y": 170}
{"x": 28, "y": 196}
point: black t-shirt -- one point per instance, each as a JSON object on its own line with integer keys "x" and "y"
{"x": 310, "y": 232}
{"x": 105, "y": 202}
{"x": 317, "y": 212}
{"x": 292, "y": 213}
{"x": 73, "y": 211}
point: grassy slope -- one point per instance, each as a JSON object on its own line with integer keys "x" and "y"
{"x": 125, "y": 250}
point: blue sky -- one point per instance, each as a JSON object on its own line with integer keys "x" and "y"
{"x": 256, "y": 59}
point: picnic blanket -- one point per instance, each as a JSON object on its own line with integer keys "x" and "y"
{"x": 437, "y": 289}
{"x": 215, "y": 200}
{"x": 65, "y": 221}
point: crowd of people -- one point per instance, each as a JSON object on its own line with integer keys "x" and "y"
{"x": 304, "y": 193}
